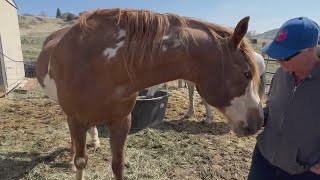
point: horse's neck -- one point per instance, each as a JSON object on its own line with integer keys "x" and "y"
{"x": 159, "y": 74}
{"x": 176, "y": 62}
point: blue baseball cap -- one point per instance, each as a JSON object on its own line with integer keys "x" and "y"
{"x": 294, "y": 35}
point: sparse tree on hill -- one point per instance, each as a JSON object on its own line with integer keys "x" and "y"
{"x": 70, "y": 17}
{"x": 58, "y": 14}
{"x": 43, "y": 14}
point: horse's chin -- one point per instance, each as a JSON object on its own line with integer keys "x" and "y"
{"x": 241, "y": 131}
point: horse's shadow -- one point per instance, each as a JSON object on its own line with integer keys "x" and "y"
{"x": 193, "y": 127}
{"x": 13, "y": 168}
{"x": 180, "y": 125}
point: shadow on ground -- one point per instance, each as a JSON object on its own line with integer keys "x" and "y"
{"x": 180, "y": 125}
{"x": 16, "y": 164}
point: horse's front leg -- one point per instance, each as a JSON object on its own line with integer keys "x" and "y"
{"x": 93, "y": 131}
{"x": 78, "y": 137}
{"x": 210, "y": 117}
{"x": 72, "y": 156}
{"x": 118, "y": 132}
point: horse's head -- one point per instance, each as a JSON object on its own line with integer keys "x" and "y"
{"x": 230, "y": 82}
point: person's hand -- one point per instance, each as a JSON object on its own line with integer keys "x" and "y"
{"x": 316, "y": 168}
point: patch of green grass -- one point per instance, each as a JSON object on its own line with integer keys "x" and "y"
{"x": 31, "y": 46}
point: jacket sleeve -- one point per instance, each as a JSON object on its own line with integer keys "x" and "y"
{"x": 266, "y": 108}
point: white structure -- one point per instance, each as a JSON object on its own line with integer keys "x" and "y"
{"x": 11, "y": 72}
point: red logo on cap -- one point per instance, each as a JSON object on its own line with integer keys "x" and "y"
{"x": 281, "y": 35}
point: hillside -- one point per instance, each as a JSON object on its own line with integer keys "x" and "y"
{"x": 34, "y": 30}
{"x": 267, "y": 35}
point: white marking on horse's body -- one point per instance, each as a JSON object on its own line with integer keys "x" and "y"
{"x": 111, "y": 52}
{"x": 93, "y": 131}
{"x": 80, "y": 162}
{"x": 164, "y": 48}
{"x": 50, "y": 87}
{"x": 122, "y": 33}
{"x": 176, "y": 43}
{"x": 165, "y": 37}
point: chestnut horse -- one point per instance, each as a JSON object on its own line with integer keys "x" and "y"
{"x": 98, "y": 66}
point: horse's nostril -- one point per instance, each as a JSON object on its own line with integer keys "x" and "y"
{"x": 251, "y": 130}
{"x": 246, "y": 130}
{"x": 241, "y": 124}
{"x": 243, "y": 129}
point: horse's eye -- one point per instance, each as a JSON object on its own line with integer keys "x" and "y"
{"x": 248, "y": 75}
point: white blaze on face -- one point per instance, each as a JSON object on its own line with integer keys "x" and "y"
{"x": 50, "y": 87}
{"x": 111, "y": 52}
{"x": 238, "y": 109}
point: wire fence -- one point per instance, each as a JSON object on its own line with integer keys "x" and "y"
{"x": 26, "y": 87}
{"x": 271, "y": 67}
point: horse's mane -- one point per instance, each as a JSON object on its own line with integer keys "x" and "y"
{"x": 145, "y": 31}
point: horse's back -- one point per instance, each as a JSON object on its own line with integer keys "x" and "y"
{"x": 260, "y": 62}
{"x": 262, "y": 72}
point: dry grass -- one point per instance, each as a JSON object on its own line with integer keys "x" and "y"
{"x": 35, "y": 139}
{"x": 40, "y": 26}
{"x": 34, "y": 30}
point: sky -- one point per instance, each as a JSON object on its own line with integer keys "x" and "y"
{"x": 264, "y": 15}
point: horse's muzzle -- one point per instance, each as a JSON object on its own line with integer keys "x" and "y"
{"x": 253, "y": 124}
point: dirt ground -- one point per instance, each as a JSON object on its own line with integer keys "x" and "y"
{"x": 34, "y": 144}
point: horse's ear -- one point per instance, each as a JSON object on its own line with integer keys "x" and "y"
{"x": 240, "y": 31}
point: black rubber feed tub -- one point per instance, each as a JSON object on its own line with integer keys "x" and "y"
{"x": 147, "y": 112}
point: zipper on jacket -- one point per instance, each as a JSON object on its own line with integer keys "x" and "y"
{"x": 284, "y": 115}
